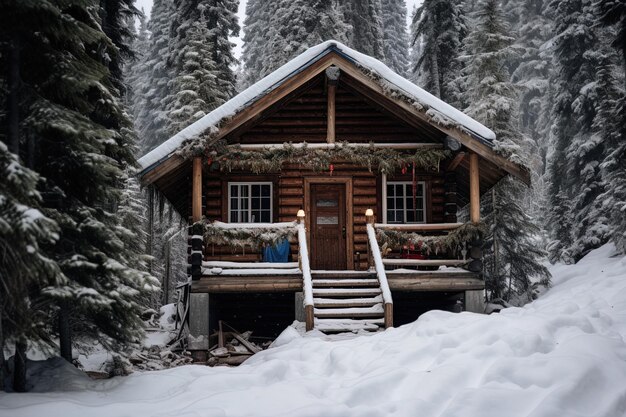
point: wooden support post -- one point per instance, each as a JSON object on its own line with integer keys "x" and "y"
{"x": 388, "y": 315}
{"x": 474, "y": 189}
{"x": 330, "y": 137}
{"x": 310, "y": 319}
{"x": 196, "y": 190}
{"x": 332, "y": 77}
{"x": 370, "y": 219}
{"x": 196, "y": 229}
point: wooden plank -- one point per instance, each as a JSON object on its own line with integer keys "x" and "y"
{"x": 277, "y": 283}
{"x": 450, "y": 282}
{"x": 388, "y": 315}
{"x": 419, "y": 227}
{"x": 424, "y": 262}
{"x": 260, "y": 265}
{"x": 196, "y": 190}
{"x": 330, "y": 120}
{"x": 456, "y": 161}
{"x": 474, "y": 189}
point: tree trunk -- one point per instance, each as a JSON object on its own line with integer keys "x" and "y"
{"x": 496, "y": 254}
{"x": 2, "y": 360}
{"x": 13, "y": 81}
{"x": 65, "y": 332}
{"x": 19, "y": 367}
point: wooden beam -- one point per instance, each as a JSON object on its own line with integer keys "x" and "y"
{"x": 388, "y": 315}
{"x": 196, "y": 190}
{"x": 435, "y": 282}
{"x": 474, "y": 189}
{"x": 330, "y": 121}
{"x": 309, "y": 317}
{"x": 455, "y": 162}
{"x": 417, "y": 227}
{"x": 408, "y": 146}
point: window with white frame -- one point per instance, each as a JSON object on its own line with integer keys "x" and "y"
{"x": 250, "y": 202}
{"x": 399, "y": 202}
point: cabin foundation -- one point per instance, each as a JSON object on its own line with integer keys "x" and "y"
{"x": 199, "y": 325}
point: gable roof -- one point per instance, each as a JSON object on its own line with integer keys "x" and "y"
{"x": 473, "y": 134}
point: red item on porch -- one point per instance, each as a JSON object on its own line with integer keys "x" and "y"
{"x": 410, "y": 252}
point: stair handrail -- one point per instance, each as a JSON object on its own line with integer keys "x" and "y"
{"x": 379, "y": 267}
{"x": 305, "y": 267}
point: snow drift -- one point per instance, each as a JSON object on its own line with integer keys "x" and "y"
{"x": 562, "y": 355}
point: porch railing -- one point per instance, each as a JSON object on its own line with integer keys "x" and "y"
{"x": 254, "y": 268}
{"x": 307, "y": 280}
{"x": 379, "y": 266}
{"x": 426, "y": 227}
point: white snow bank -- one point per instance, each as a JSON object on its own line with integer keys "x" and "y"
{"x": 562, "y": 355}
{"x": 211, "y": 121}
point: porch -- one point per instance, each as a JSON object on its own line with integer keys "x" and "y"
{"x": 342, "y": 300}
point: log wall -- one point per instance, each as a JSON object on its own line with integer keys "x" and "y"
{"x": 288, "y": 189}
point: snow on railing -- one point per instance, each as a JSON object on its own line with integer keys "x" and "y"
{"x": 380, "y": 273}
{"x": 307, "y": 280}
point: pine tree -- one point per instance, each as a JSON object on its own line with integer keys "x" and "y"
{"x": 137, "y": 73}
{"x": 83, "y": 146}
{"x": 152, "y": 120}
{"x": 575, "y": 164}
{"x": 277, "y": 32}
{"x": 395, "y": 36}
{"x": 201, "y": 60}
{"x": 367, "y": 34}
{"x": 27, "y": 274}
{"x": 512, "y": 255}
{"x": 438, "y": 30}
{"x": 195, "y": 86}
{"x": 610, "y": 122}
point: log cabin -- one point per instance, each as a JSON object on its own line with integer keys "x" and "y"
{"x": 329, "y": 192}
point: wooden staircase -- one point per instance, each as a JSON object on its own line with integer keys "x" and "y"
{"x": 347, "y": 302}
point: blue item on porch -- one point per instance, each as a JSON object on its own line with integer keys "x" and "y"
{"x": 278, "y": 253}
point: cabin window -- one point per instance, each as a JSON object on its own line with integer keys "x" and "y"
{"x": 399, "y": 202}
{"x": 250, "y": 202}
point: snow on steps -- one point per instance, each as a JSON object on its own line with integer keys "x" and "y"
{"x": 347, "y": 303}
{"x": 374, "y": 311}
{"x": 346, "y": 292}
{"x": 348, "y": 325}
{"x": 343, "y": 282}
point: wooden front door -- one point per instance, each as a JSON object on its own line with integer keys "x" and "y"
{"x": 328, "y": 226}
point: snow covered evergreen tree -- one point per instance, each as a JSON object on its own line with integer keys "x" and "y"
{"x": 575, "y": 176}
{"x": 81, "y": 145}
{"x": 27, "y": 274}
{"x": 610, "y": 122}
{"x": 512, "y": 255}
{"x": 137, "y": 73}
{"x": 366, "y": 22}
{"x": 195, "y": 90}
{"x": 276, "y": 32}
{"x": 152, "y": 120}
{"x": 395, "y": 36}
{"x": 438, "y": 30}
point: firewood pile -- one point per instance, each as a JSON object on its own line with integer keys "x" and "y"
{"x": 232, "y": 348}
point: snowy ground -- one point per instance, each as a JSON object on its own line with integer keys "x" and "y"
{"x": 563, "y": 355}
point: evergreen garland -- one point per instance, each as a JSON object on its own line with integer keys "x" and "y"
{"x": 216, "y": 234}
{"x": 468, "y": 232}
{"x": 382, "y": 160}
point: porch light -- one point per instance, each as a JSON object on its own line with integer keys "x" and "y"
{"x": 369, "y": 212}
{"x": 300, "y": 215}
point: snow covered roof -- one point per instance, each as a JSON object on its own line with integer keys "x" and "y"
{"x": 302, "y": 61}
